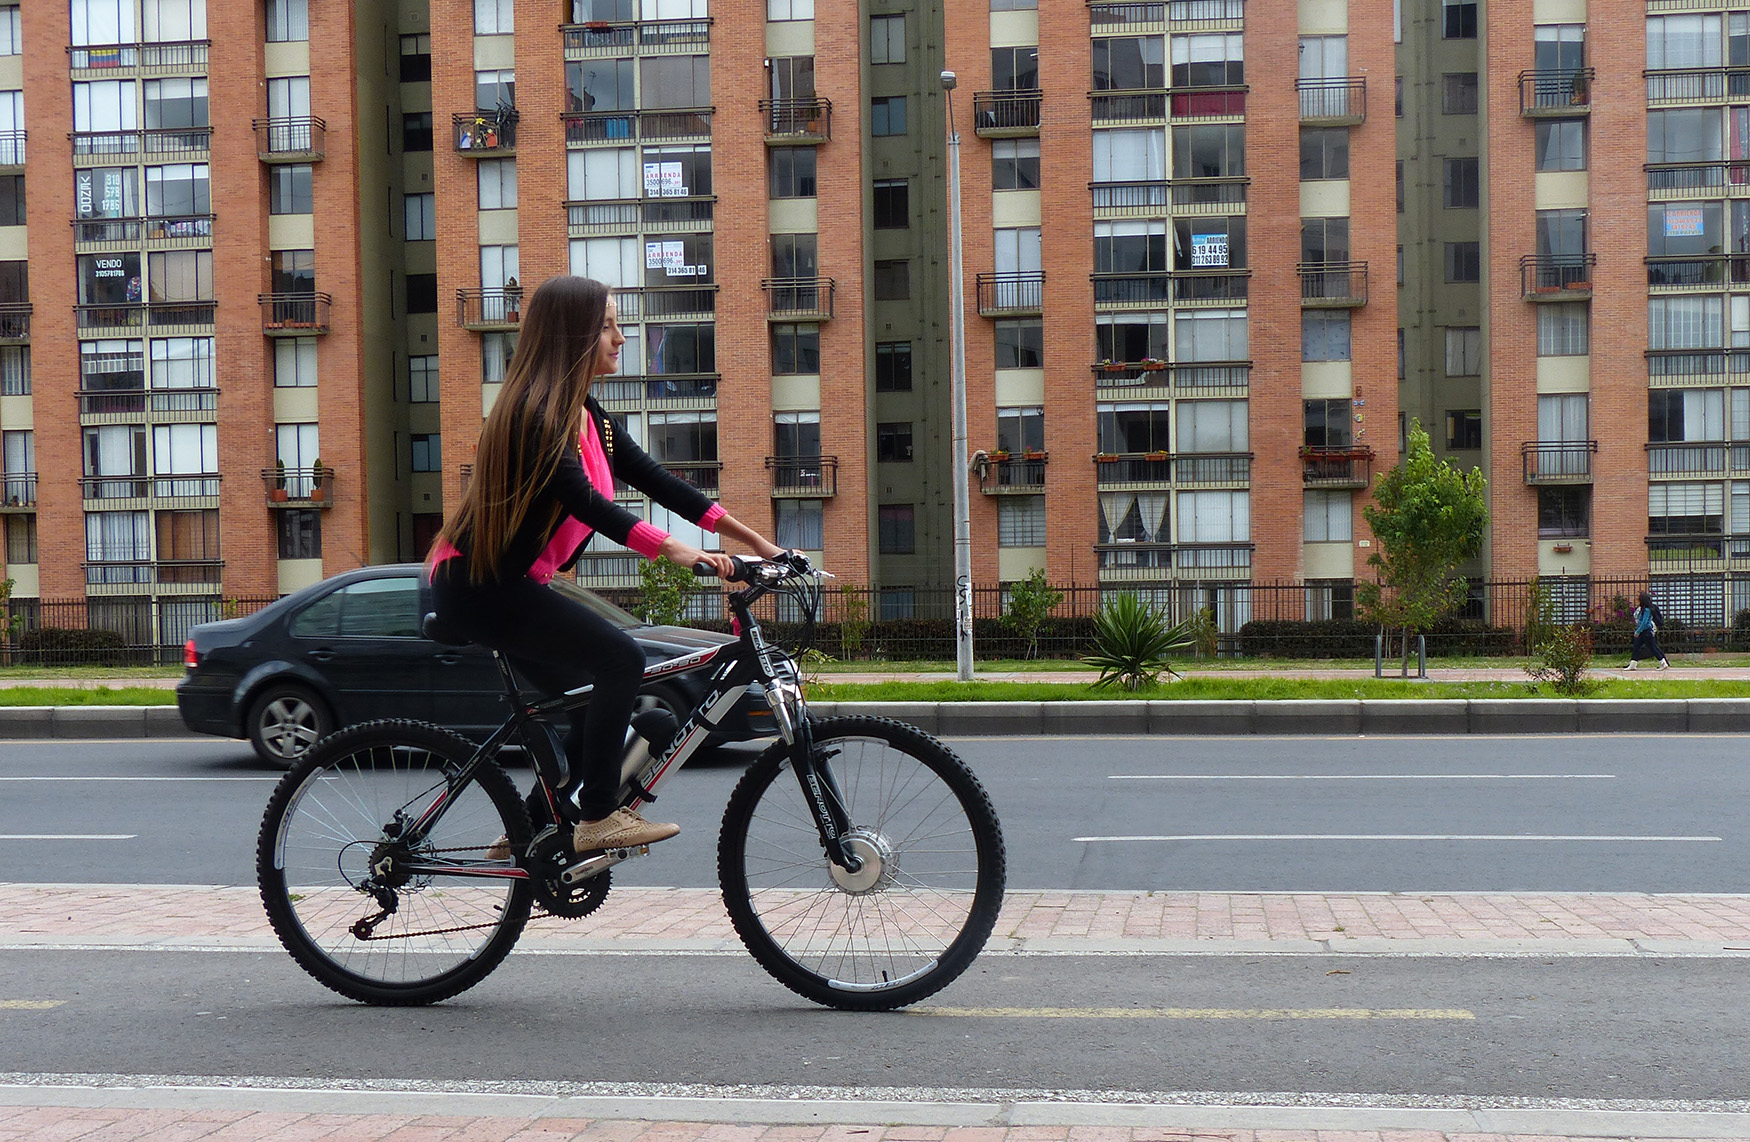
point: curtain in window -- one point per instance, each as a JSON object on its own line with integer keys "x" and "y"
{"x": 117, "y": 536}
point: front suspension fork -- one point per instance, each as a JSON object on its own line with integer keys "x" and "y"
{"x": 821, "y": 790}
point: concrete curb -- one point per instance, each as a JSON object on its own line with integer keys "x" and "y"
{"x": 1339, "y": 717}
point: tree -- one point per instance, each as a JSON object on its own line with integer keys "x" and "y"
{"x": 665, "y": 586}
{"x": 1427, "y": 518}
{"x": 1031, "y": 602}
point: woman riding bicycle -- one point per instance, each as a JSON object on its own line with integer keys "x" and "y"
{"x": 543, "y": 482}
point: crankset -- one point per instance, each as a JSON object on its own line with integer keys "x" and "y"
{"x": 549, "y": 857}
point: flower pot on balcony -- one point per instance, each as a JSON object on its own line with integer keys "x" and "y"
{"x": 999, "y": 456}
{"x": 277, "y": 495}
{"x": 1150, "y": 365}
{"x": 315, "y": 496}
{"x": 1155, "y": 456}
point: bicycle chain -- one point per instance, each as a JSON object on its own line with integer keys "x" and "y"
{"x": 370, "y": 922}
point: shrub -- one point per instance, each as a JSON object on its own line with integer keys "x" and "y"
{"x": 1296, "y": 638}
{"x": 1031, "y": 602}
{"x": 71, "y": 646}
{"x": 665, "y": 586}
{"x": 1564, "y": 656}
{"x": 1739, "y": 639}
{"x": 1132, "y": 641}
{"x": 854, "y": 627}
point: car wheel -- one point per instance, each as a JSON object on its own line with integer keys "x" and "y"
{"x": 285, "y": 721}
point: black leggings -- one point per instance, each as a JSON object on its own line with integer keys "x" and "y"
{"x": 1644, "y": 645}
{"x": 558, "y": 644}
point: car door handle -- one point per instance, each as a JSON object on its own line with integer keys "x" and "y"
{"x": 449, "y": 659}
{"x": 322, "y": 654}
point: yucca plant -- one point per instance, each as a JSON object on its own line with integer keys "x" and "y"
{"x": 1132, "y": 641}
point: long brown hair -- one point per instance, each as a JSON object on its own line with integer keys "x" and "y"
{"x": 534, "y": 421}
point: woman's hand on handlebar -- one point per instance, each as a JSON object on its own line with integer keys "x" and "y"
{"x": 689, "y": 556}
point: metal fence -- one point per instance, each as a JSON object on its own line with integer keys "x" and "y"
{"x": 97, "y": 631}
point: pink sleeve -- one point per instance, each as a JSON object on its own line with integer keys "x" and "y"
{"x": 709, "y": 520}
{"x": 646, "y": 539}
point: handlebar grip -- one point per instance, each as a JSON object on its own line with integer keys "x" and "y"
{"x": 704, "y": 569}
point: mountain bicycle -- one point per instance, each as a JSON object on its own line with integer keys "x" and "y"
{"x": 860, "y": 860}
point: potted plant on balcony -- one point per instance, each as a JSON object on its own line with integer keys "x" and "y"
{"x": 1033, "y": 454}
{"x": 1157, "y": 455}
{"x": 998, "y": 455}
{"x": 1153, "y": 364}
{"x": 278, "y": 492}
{"x": 316, "y": 492}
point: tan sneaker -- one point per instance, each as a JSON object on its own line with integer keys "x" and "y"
{"x": 621, "y": 829}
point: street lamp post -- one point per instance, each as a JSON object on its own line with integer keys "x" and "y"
{"x": 959, "y": 456}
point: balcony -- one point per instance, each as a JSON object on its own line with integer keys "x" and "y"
{"x": 1130, "y": 199}
{"x": 291, "y": 139}
{"x": 798, "y": 299}
{"x": 1110, "y": 107}
{"x": 1212, "y": 470}
{"x": 1148, "y": 373}
{"x": 666, "y": 390}
{"x": 192, "y": 486}
{"x": 1109, "y": 16}
{"x": 1676, "y": 368}
{"x": 640, "y": 303}
{"x": 299, "y": 487}
{"x": 1146, "y": 290}
{"x": 1006, "y": 114}
{"x": 1556, "y": 277}
{"x": 18, "y": 492}
{"x": 12, "y": 151}
{"x": 484, "y": 134}
{"x": 1336, "y": 466}
{"x": 98, "y": 234}
{"x": 1697, "y": 271}
{"x": 803, "y": 477}
{"x": 1212, "y": 192}
{"x": 1211, "y": 285}
{"x": 1133, "y": 469}
{"x": 493, "y": 310}
{"x": 102, "y": 148}
{"x": 121, "y": 61}
{"x": 691, "y": 214}
{"x": 14, "y": 322}
{"x": 1211, "y": 378}
{"x": 136, "y": 401}
{"x": 1679, "y": 554}
{"x": 196, "y": 575}
{"x": 163, "y": 316}
{"x": 1557, "y": 461}
{"x": 705, "y": 475}
{"x": 1122, "y": 562}
{"x": 1011, "y": 473}
{"x": 621, "y": 128}
{"x": 1332, "y": 285}
{"x": 1017, "y": 294}
{"x": 1556, "y": 94}
{"x": 1665, "y": 460}
{"x": 797, "y": 122}
{"x": 609, "y": 39}
{"x": 1340, "y": 101}
{"x": 1696, "y": 85}
{"x": 1698, "y": 180}
{"x": 298, "y": 313}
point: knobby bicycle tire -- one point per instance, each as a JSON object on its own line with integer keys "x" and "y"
{"x": 921, "y": 909}
{"x": 322, "y": 825}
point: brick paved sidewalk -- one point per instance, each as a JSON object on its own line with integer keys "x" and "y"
{"x": 693, "y": 919}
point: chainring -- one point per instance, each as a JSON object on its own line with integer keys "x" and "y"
{"x": 573, "y": 901}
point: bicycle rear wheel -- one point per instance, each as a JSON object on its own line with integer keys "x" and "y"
{"x": 331, "y": 820}
{"x": 919, "y": 911}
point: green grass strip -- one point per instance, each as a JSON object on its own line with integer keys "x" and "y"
{"x": 76, "y": 696}
{"x": 1256, "y": 690}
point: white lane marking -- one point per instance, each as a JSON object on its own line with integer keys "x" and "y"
{"x": 68, "y": 836}
{"x": 63, "y": 778}
{"x": 1388, "y": 837}
{"x": 1360, "y": 776}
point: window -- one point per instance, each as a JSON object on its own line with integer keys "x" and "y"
{"x": 795, "y": 255}
{"x": 287, "y": 21}
{"x": 1214, "y": 150}
{"x": 1213, "y": 60}
{"x": 292, "y": 271}
{"x": 1210, "y": 335}
{"x": 12, "y": 199}
{"x": 1464, "y": 352}
{"x": 422, "y": 379}
{"x": 415, "y": 59}
{"x": 1324, "y": 240}
{"x": 1559, "y": 47}
{"x": 790, "y": 10}
{"x": 887, "y": 39}
{"x": 796, "y": 349}
{"x": 681, "y": 349}
{"x": 422, "y": 293}
{"x": 1133, "y": 427}
{"x": 897, "y": 529}
{"x": 104, "y": 106}
{"x": 1021, "y": 429}
{"x": 300, "y": 534}
{"x": 294, "y": 362}
{"x": 1014, "y": 164}
{"x": 1119, "y": 247}
{"x": 1209, "y": 426}
{"x": 20, "y": 539}
{"x": 1021, "y": 521}
{"x": 791, "y": 77}
{"x": 1132, "y": 337}
{"x": 11, "y": 34}
{"x": 416, "y": 131}
{"x": 103, "y": 22}
{"x": 793, "y": 172}
{"x": 1019, "y": 344}
{"x": 1324, "y": 335}
{"x": 420, "y": 214}
{"x": 1330, "y": 599}
{"x": 1561, "y": 232}
{"x": 892, "y": 203}
{"x": 892, "y": 280}
{"x": 1398, "y": 97}
{"x": 1328, "y": 517}
{"x": 15, "y": 370}
{"x": 116, "y": 450}
{"x": 1014, "y": 69}
{"x": 1683, "y": 42}
{"x": 118, "y": 537}
{"x": 1564, "y": 512}
{"x": 178, "y": 191}
{"x": 1686, "y": 509}
{"x": 375, "y": 608}
{"x": 1324, "y": 153}
{"x": 1561, "y": 145}
{"x": 1458, "y": 93}
{"x": 289, "y": 189}
{"x": 893, "y": 366}
{"x": 604, "y": 85}
{"x": 1464, "y": 261}
{"x": 1684, "y": 323}
{"x": 887, "y": 115}
{"x": 494, "y": 18}
{"x": 1684, "y": 136}
{"x": 674, "y": 81}
{"x": 1458, "y": 19}
{"x": 800, "y": 524}
{"x": 496, "y": 350}
{"x": 180, "y": 275}
{"x": 176, "y": 103}
{"x": 1676, "y": 416}
{"x": 185, "y": 450}
{"x": 1126, "y": 155}
{"x": 893, "y": 442}
{"x": 496, "y": 179}
{"x": 1326, "y": 423}
{"x": 1215, "y": 517}
{"x": 1013, "y": 5}
{"x": 796, "y": 434}
{"x": 1464, "y": 429}
{"x": 427, "y": 452}
{"x": 683, "y": 437}
{"x": 1463, "y": 186}
{"x": 495, "y": 90}
{"x": 1564, "y": 330}
{"x": 1129, "y": 63}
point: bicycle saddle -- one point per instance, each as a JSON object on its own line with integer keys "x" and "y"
{"x": 438, "y": 630}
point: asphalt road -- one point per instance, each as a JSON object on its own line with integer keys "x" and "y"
{"x": 1570, "y": 1028}
{"x": 1592, "y": 813}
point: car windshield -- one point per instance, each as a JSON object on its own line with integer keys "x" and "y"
{"x": 596, "y": 603}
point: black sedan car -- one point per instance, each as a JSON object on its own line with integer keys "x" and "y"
{"x": 349, "y": 650}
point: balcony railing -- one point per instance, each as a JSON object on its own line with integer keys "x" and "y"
{"x": 1336, "y": 466}
{"x": 640, "y": 303}
{"x": 1186, "y": 378}
{"x": 1184, "y": 15}
{"x": 162, "y": 142}
{"x": 1556, "y": 277}
{"x": 805, "y": 477}
{"x": 1689, "y": 459}
{"x": 1212, "y": 469}
{"x": 294, "y": 314}
{"x": 1698, "y": 271}
{"x": 1684, "y": 180}
{"x": 705, "y": 475}
{"x": 1697, "y": 84}
{"x": 1334, "y": 102}
{"x": 1703, "y": 363}
{"x": 1005, "y": 473}
{"x": 1149, "y": 288}
{"x": 491, "y": 309}
{"x": 1015, "y": 294}
{"x": 1332, "y": 285}
{"x": 792, "y": 121}
{"x": 132, "y": 487}
{"x": 1121, "y": 198}
{"x": 613, "y": 215}
{"x": 1224, "y": 191}
{"x": 299, "y": 487}
{"x": 1112, "y": 468}
{"x": 1211, "y": 285}
{"x": 14, "y": 322}
{"x": 688, "y": 388}
{"x": 194, "y": 485}
{"x": 1130, "y": 374}
{"x": 624, "y": 127}
{"x": 147, "y": 58}
{"x": 1679, "y": 553}
{"x": 119, "y": 572}
{"x": 1005, "y": 114}
{"x": 291, "y": 139}
{"x": 1142, "y": 561}
{"x": 141, "y": 315}
{"x": 1556, "y": 93}
{"x": 617, "y": 38}
{"x": 484, "y": 134}
{"x": 18, "y": 491}
{"x": 139, "y": 400}
{"x": 1127, "y": 106}
{"x": 1557, "y": 461}
{"x": 12, "y": 149}
{"x": 798, "y": 299}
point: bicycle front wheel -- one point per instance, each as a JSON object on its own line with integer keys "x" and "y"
{"x": 330, "y": 837}
{"x": 917, "y": 913}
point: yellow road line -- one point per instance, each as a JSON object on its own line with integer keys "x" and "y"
{"x": 29, "y": 1004}
{"x": 1197, "y": 1012}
